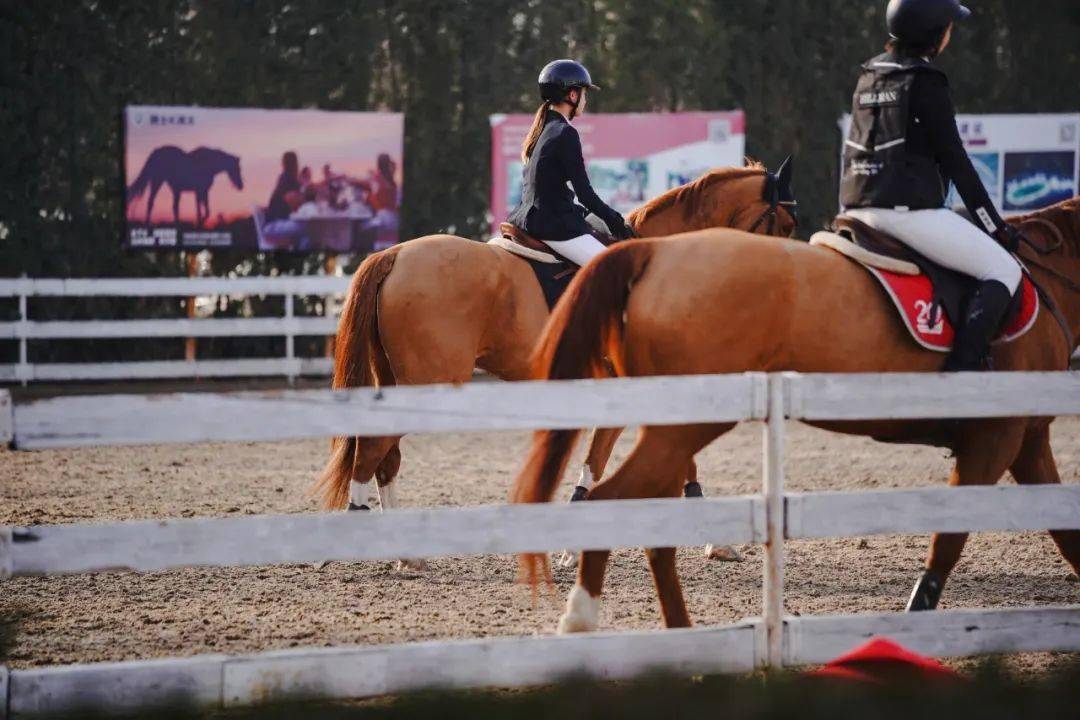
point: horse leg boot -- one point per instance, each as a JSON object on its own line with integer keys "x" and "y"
{"x": 1036, "y": 466}
{"x": 979, "y": 461}
{"x": 600, "y": 447}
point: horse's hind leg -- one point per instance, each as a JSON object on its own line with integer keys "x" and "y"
{"x": 1035, "y": 466}
{"x": 369, "y": 455}
{"x": 987, "y": 448}
{"x": 655, "y": 468}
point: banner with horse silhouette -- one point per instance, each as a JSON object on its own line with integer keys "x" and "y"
{"x": 262, "y": 180}
{"x": 631, "y": 157}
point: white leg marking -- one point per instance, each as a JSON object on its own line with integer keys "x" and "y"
{"x": 586, "y": 480}
{"x": 361, "y": 493}
{"x": 387, "y": 496}
{"x": 582, "y": 612}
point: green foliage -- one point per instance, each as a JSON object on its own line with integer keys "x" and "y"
{"x": 68, "y": 67}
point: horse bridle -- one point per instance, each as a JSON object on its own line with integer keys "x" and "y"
{"x": 775, "y": 202}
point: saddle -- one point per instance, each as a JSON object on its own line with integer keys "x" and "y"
{"x": 929, "y": 297}
{"x": 552, "y": 270}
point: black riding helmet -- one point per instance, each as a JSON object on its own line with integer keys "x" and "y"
{"x": 920, "y": 22}
{"x": 560, "y": 77}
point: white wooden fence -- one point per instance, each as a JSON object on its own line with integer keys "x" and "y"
{"x": 288, "y": 326}
{"x": 774, "y": 639}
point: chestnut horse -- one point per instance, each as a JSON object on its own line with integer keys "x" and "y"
{"x": 722, "y": 301}
{"x": 432, "y": 309}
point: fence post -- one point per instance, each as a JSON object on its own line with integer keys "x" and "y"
{"x": 290, "y": 340}
{"x": 5, "y": 683}
{"x": 23, "y": 370}
{"x": 773, "y": 488}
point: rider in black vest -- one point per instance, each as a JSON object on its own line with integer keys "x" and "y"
{"x": 904, "y": 148}
{"x": 553, "y": 157}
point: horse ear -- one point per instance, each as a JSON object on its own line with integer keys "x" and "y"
{"x": 787, "y": 169}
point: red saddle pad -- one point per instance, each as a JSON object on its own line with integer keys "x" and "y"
{"x": 913, "y": 297}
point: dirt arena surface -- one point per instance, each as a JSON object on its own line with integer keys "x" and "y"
{"x": 123, "y": 616}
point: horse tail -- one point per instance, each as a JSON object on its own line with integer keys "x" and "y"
{"x": 359, "y": 361}
{"x": 583, "y": 333}
{"x": 138, "y": 187}
{"x": 585, "y": 329}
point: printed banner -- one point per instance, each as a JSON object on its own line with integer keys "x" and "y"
{"x": 1026, "y": 162}
{"x": 630, "y": 157}
{"x": 262, "y": 180}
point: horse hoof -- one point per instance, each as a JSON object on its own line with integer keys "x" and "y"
{"x": 579, "y": 493}
{"x": 693, "y": 490}
{"x": 723, "y": 553}
{"x": 568, "y": 559}
{"x": 353, "y": 506}
{"x": 420, "y": 566}
{"x": 927, "y": 592}
{"x": 574, "y": 624}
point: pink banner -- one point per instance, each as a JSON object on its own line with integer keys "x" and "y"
{"x": 262, "y": 180}
{"x": 631, "y": 157}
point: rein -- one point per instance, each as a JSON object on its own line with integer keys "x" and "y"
{"x": 1059, "y": 240}
{"x": 1044, "y": 295}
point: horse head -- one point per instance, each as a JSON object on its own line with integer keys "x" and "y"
{"x": 746, "y": 198}
{"x": 758, "y": 201}
{"x": 780, "y": 217}
{"x": 232, "y": 169}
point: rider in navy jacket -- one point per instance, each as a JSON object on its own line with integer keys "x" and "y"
{"x": 553, "y": 157}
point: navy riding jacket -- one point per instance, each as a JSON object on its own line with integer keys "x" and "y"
{"x": 547, "y": 210}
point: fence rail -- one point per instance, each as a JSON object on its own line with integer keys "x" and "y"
{"x": 774, "y": 640}
{"x": 288, "y": 326}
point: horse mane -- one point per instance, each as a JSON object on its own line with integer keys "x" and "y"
{"x": 690, "y": 195}
{"x": 1065, "y": 216}
{"x": 216, "y": 152}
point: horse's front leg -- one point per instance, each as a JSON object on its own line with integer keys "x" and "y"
{"x": 985, "y": 450}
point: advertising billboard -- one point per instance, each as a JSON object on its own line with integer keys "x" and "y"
{"x": 630, "y": 157}
{"x": 261, "y": 180}
{"x": 1026, "y": 162}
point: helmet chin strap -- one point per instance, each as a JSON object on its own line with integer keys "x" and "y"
{"x": 573, "y": 105}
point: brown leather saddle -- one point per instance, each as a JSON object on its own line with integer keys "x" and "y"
{"x": 518, "y": 236}
{"x": 552, "y": 270}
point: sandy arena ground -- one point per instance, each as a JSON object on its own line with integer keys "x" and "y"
{"x": 120, "y": 616}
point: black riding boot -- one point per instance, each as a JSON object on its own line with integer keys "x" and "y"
{"x": 986, "y": 308}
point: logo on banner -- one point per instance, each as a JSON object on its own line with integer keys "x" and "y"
{"x": 719, "y": 130}
{"x": 972, "y": 133}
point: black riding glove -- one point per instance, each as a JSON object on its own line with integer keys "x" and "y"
{"x": 619, "y": 229}
{"x": 1009, "y": 237}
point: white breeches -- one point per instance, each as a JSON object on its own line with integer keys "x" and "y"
{"x": 947, "y": 239}
{"x": 579, "y": 250}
